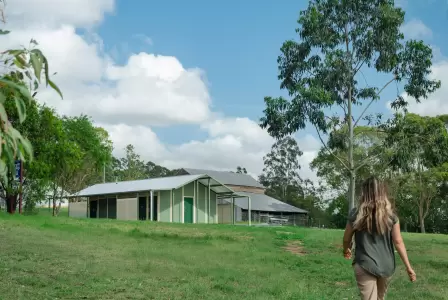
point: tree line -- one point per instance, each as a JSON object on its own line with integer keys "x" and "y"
{"x": 409, "y": 152}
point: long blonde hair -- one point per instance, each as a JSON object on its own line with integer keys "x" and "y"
{"x": 374, "y": 205}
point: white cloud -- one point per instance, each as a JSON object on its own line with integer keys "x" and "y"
{"x": 416, "y": 29}
{"x": 232, "y": 142}
{"x": 144, "y": 38}
{"x": 437, "y": 103}
{"x": 401, "y": 3}
{"x": 53, "y": 13}
{"x": 148, "y": 90}
{"x": 437, "y": 54}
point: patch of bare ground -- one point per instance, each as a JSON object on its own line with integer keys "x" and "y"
{"x": 284, "y": 232}
{"x": 295, "y": 247}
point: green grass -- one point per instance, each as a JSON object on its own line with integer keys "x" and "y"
{"x": 44, "y": 211}
{"x": 61, "y": 258}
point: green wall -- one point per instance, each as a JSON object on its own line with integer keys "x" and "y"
{"x": 201, "y": 201}
{"x": 165, "y": 205}
{"x": 177, "y": 205}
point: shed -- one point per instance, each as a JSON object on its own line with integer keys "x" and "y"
{"x": 263, "y": 208}
{"x": 181, "y": 199}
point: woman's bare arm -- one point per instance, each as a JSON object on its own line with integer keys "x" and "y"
{"x": 347, "y": 241}
{"x": 401, "y": 249}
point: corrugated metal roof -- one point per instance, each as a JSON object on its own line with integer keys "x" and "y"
{"x": 261, "y": 202}
{"x": 162, "y": 183}
{"x": 226, "y": 177}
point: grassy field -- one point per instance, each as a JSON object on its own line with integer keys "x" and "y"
{"x": 61, "y": 258}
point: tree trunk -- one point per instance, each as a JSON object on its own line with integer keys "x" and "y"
{"x": 422, "y": 225}
{"x": 11, "y": 204}
{"x": 349, "y": 118}
{"x": 421, "y": 218}
{"x": 54, "y": 207}
{"x": 351, "y": 192}
{"x": 352, "y": 187}
{"x": 58, "y": 209}
{"x": 421, "y": 203}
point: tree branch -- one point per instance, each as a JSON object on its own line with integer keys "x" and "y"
{"x": 358, "y": 67}
{"x": 428, "y": 204}
{"x": 371, "y": 101}
{"x": 329, "y": 151}
{"x": 364, "y": 162}
{"x": 342, "y": 105}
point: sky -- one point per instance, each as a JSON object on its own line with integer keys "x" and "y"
{"x": 184, "y": 81}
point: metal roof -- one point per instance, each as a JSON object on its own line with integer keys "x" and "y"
{"x": 262, "y": 202}
{"x": 227, "y": 177}
{"x": 156, "y": 184}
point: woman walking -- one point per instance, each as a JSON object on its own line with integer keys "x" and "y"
{"x": 376, "y": 229}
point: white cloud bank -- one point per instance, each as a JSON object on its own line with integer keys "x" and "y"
{"x": 416, "y": 29}
{"x": 437, "y": 103}
{"x": 127, "y": 100}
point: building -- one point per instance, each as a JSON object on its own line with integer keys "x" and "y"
{"x": 194, "y": 196}
{"x": 181, "y": 199}
{"x": 263, "y": 208}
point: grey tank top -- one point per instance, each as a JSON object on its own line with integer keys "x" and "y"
{"x": 374, "y": 252}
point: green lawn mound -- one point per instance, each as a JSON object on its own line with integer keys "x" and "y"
{"x": 61, "y": 258}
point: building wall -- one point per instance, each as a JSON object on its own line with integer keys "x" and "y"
{"x": 170, "y": 205}
{"x": 177, "y": 206}
{"x": 213, "y": 217}
{"x": 201, "y": 203}
{"x": 165, "y": 206}
{"x": 189, "y": 190}
{"x": 127, "y": 209}
{"x": 224, "y": 213}
{"x": 77, "y": 209}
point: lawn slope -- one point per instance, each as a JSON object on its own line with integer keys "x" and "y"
{"x": 61, "y": 258}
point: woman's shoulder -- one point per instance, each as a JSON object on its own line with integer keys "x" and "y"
{"x": 394, "y": 218}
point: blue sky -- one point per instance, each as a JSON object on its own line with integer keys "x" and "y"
{"x": 106, "y": 68}
{"x": 235, "y": 42}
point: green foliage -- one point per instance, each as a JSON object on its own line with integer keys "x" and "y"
{"x": 420, "y": 159}
{"x": 133, "y": 167}
{"x": 77, "y": 159}
{"x": 19, "y": 83}
{"x": 280, "y": 173}
{"x": 68, "y": 154}
{"x": 321, "y": 72}
{"x": 413, "y": 161}
{"x": 417, "y": 140}
{"x": 370, "y": 154}
{"x": 25, "y": 67}
{"x": 337, "y": 211}
{"x": 241, "y": 170}
{"x": 34, "y": 193}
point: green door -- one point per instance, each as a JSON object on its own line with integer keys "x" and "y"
{"x": 188, "y": 210}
